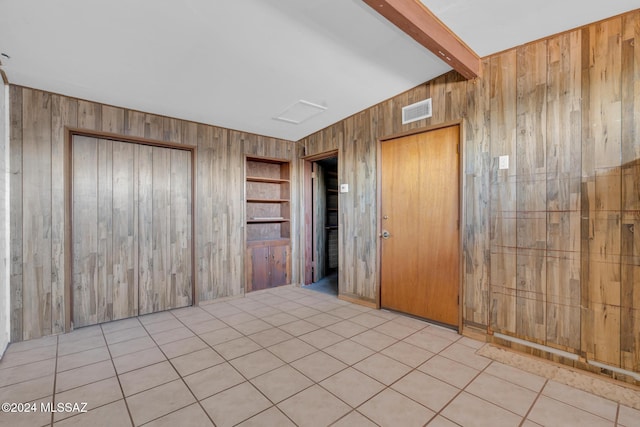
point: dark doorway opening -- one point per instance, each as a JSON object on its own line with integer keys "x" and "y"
{"x": 323, "y": 222}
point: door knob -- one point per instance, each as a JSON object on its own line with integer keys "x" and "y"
{"x": 385, "y": 234}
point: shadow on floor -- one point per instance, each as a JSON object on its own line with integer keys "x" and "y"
{"x": 326, "y": 285}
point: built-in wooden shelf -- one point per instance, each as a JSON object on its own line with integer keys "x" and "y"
{"x": 267, "y": 180}
{"x": 267, "y": 200}
{"x": 268, "y": 223}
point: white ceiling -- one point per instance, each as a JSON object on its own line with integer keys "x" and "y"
{"x": 238, "y": 64}
{"x": 490, "y": 26}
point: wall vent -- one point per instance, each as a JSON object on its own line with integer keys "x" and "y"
{"x": 418, "y": 111}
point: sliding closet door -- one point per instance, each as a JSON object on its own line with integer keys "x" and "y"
{"x": 131, "y": 229}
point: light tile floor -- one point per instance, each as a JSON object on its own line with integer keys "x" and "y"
{"x": 283, "y": 357}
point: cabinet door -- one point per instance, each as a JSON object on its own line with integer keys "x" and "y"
{"x": 278, "y": 265}
{"x": 260, "y": 261}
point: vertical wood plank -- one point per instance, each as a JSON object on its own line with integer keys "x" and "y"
{"x": 531, "y": 218}
{"x": 85, "y": 230}
{"x": 601, "y": 177}
{"x": 172, "y": 130}
{"x": 563, "y": 191}
{"x": 503, "y": 192}
{"x": 223, "y": 253}
{"x": 204, "y": 222}
{"x": 439, "y": 100}
{"x": 147, "y": 298}
{"x": 346, "y": 215}
{"x": 180, "y": 294}
{"x": 134, "y": 123}
{"x": 125, "y": 250}
{"x": 16, "y": 220}
{"x": 455, "y": 97}
{"x": 112, "y": 119}
{"x": 234, "y": 178}
{"x": 64, "y": 113}
{"x": 104, "y": 255}
{"x": 161, "y": 202}
{"x": 89, "y": 115}
{"x": 36, "y": 233}
{"x": 630, "y": 230}
{"x": 476, "y": 197}
{"x": 358, "y": 208}
{"x": 153, "y": 127}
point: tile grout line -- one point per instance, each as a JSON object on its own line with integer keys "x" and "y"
{"x": 314, "y": 383}
{"x": 412, "y": 369}
{"x": 115, "y": 371}
{"x": 288, "y": 364}
{"x": 461, "y": 390}
{"x": 347, "y": 366}
{"x": 386, "y": 387}
{"x": 89, "y": 383}
{"x": 232, "y": 366}
{"x": 55, "y": 378}
{"x": 582, "y": 409}
{"x": 436, "y": 413}
{"x": 526, "y": 416}
{"x": 177, "y": 372}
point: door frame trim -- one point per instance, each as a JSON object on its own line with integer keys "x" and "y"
{"x": 70, "y": 132}
{"x": 461, "y": 208}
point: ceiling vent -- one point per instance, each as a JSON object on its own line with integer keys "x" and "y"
{"x": 418, "y": 111}
{"x": 299, "y": 112}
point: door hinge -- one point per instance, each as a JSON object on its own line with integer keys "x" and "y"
{"x": 458, "y": 148}
{"x": 313, "y": 175}
{"x": 458, "y": 299}
{"x": 458, "y": 224}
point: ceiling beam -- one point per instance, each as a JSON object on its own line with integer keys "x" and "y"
{"x": 412, "y": 17}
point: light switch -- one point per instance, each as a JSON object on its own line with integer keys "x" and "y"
{"x": 344, "y": 188}
{"x": 503, "y": 162}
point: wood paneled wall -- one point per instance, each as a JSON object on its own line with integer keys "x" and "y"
{"x": 551, "y": 248}
{"x": 37, "y": 140}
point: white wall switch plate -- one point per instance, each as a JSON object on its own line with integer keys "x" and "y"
{"x": 344, "y": 188}
{"x": 503, "y": 162}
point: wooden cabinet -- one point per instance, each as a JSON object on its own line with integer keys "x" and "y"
{"x": 268, "y": 263}
{"x": 268, "y": 231}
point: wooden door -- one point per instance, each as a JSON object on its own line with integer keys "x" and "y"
{"x": 420, "y": 212}
{"x": 131, "y": 229}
